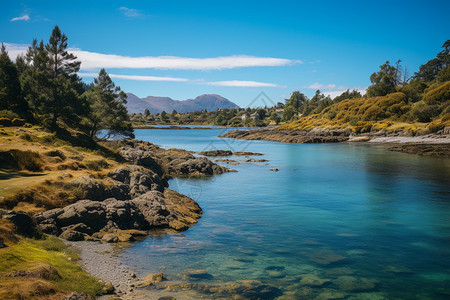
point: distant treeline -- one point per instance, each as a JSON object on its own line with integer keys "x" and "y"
{"x": 43, "y": 87}
{"x": 393, "y": 94}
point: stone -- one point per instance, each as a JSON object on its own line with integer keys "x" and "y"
{"x": 312, "y": 280}
{"x": 78, "y": 296}
{"x": 274, "y": 169}
{"x": 108, "y": 288}
{"x": 216, "y": 153}
{"x": 72, "y": 235}
{"x": 350, "y": 283}
{"x": 22, "y": 221}
{"x": 110, "y": 238}
{"x": 196, "y": 274}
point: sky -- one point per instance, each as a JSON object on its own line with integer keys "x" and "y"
{"x": 237, "y": 49}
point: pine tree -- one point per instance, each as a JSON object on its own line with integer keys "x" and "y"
{"x": 107, "y": 108}
{"x": 51, "y": 84}
{"x": 10, "y": 90}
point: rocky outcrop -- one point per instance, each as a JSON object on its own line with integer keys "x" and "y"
{"x": 436, "y": 150}
{"x": 216, "y": 153}
{"x": 140, "y": 180}
{"x": 93, "y": 189}
{"x": 153, "y": 209}
{"x": 171, "y": 162}
{"x": 289, "y": 136}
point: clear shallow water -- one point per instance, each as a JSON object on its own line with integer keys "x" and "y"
{"x": 364, "y": 219}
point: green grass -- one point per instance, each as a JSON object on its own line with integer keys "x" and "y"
{"x": 25, "y": 254}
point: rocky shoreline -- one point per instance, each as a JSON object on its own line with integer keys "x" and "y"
{"x": 122, "y": 206}
{"x": 436, "y": 144}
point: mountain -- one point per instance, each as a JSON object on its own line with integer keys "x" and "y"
{"x": 155, "y": 105}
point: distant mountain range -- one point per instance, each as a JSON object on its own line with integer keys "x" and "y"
{"x": 155, "y": 105}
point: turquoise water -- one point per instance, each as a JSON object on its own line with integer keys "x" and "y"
{"x": 369, "y": 222}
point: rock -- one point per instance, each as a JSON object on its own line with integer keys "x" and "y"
{"x": 196, "y": 274}
{"x": 312, "y": 280}
{"x": 108, "y": 288}
{"x": 156, "y": 277}
{"x": 150, "y": 210}
{"x": 22, "y": 221}
{"x": 274, "y": 169}
{"x": 139, "y": 180}
{"x": 72, "y": 235}
{"x": 110, "y": 238}
{"x": 248, "y": 153}
{"x": 195, "y": 166}
{"x": 330, "y": 294}
{"x": 216, "y": 153}
{"x": 97, "y": 190}
{"x": 141, "y": 157}
{"x": 350, "y": 283}
{"x": 78, "y": 296}
{"x": 325, "y": 256}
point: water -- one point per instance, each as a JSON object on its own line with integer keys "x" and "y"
{"x": 369, "y": 222}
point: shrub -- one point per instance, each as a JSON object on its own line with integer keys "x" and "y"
{"x": 5, "y": 122}
{"x": 438, "y": 94}
{"x": 27, "y": 160}
{"x": 8, "y": 114}
{"x": 374, "y": 113}
{"x": 18, "y": 122}
{"x": 424, "y": 113}
{"x": 97, "y": 165}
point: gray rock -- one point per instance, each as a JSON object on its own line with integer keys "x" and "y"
{"x": 22, "y": 221}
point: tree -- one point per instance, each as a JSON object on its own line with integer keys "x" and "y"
{"x": 430, "y": 70}
{"x": 51, "y": 84}
{"x": 146, "y": 112}
{"x": 164, "y": 116}
{"x": 296, "y": 100}
{"x": 347, "y": 95}
{"x": 261, "y": 113}
{"x": 107, "y": 108}
{"x": 10, "y": 89}
{"x": 384, "y": 81}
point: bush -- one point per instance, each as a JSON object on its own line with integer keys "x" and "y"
{"x": 438, "y": 94}
{"x": 8, "y": 114}
{"x": 374, "y": 113}
{"x": 27, "y": 160}
{"x": 18, "y": 122}
{"x": 424, "y": 113}
{"x": 5, "y": 122}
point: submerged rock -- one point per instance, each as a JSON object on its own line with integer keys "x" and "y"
{"x": 196, "y": 274}
{"x": 313, "y": 280}
{"x": 350, "y": 283}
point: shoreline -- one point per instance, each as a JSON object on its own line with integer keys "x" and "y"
{"x": 434, "y": 144}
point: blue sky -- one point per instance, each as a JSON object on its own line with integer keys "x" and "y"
{"x": 237, "y": 49}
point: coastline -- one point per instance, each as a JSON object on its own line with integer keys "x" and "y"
{"x": 438, "y": 144}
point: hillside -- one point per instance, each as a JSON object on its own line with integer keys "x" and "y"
{"x": 155, "y": 104}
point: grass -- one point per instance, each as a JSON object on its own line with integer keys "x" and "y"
{"x": 50, "y": 253}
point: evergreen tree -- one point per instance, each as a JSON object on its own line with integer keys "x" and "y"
{"x": 107, "y": 108}
{"x": 10, "y": 90}
{"x": 51, "y": 84}
{"x": 384, "y": 81}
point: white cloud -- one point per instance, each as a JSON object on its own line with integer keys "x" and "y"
{"x": 95, "y": 61}
{"x": 243, "y": 83}
{"x": 317, "y": 86}
{"x": 334, "y": 94}
{"x": 92, "y": 60}
{"x": 136, "y": 77}
{"x": 25, "y": 17}
{"x": 131, "y": 12}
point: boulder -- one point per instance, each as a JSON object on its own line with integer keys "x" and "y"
{"x": 139, "y": 180}
{"x": 216, "y": 153}
{"x": 96, "y": 190}
{"x": 22, "y": 221}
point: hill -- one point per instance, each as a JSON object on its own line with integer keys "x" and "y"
{"x": 155, "y": 104}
